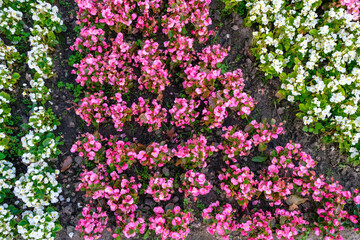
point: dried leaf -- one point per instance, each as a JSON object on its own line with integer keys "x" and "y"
{"x": 171, "y": 133}
{"x": 279, "y": 95}
{"x": 295, "y": 200}
{"x": 66, "y": 164}
{"x": 293, "y": 207}
{"x": 160, "y": 97}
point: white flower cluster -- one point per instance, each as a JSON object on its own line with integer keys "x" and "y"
{"x": 38, "y": 148}
{"x": 9, "y": 18}
{"x": 321, "y": 59}
{"x": 42, "y": 120}
{"x": 7, "y": 221}
{"x": 37, "y": 144}
{"x": 7, "y": 176}
{"x": 8, "y": 54}
{"x": 38, "y": 187}
{"x": 5, "y": 78}
{"x": 42, "y": 224}
{"x": 38, "y": 91}
{"x": 43, "y": 37}
{"x": 5, "y": 111}
{"x": 41, "y": 9}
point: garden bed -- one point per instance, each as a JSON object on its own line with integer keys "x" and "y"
{"x": 229, "y": 32}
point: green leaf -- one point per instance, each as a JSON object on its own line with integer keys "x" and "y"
{"x": 16, "y": 76}
{"x": 287, "y": 45}
{"x": 314, "y": 32}
{"x": 23, "y": 222}
{"x": 258, "y": 159}
{"x": 305, "y": 128}
{"x": 147, "y": 234}
{"x": 283, "y": 76}
{"x": 57, "y": 228}
{"x": 318, "y": 126}
{"x": 46, "y": 142}
{"x": 63, "y": 28}
{"x": 302, "y": 107}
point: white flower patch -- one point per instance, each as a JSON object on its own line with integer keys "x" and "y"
{"x": 9, "y": 18}
{"x": 38, "y": 147}
{"x": 8, "y": 54}
{"x": 7, "y": 178}
{"x": 5, "y": 111}
{"x": 38, "y": 187}
{"x": 7, "y": 222}
{"x": 42, "y": 121}
{"x": 39, "y": 224}
{"x": 314, "y": 60}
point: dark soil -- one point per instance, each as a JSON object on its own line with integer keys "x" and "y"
{"x": 230, "y": 32}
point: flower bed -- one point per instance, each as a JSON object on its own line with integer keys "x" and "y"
{"x": 38, "y": 187}
{"x": 316, "y": 58}
{"x": 128, "y": 83}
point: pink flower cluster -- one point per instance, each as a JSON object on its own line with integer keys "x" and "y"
{"x": 184, "y": 112}
{"x": 181, "y": 14}
{"x": 258, "y": 227}
{"x": 238, "y": 183}
{"x": 93, "y": 109}
{"x": 239, "y": 143}
{"x": 120, "y": 155}
{"x": 89, "y": 146}
{"x": 154, "y": 74}
{"x": 286, "y": 159}
{"x": 132, "y": 228}
{"x": 160, "y": 188}
{"x": 193, "y": 153}
{"x": 124, "y": 65}
{"x": 173, "y": 223}
{"x": 289, "y": 175}
{"x": 220, "y": 219}
{"x": 195, "y": 184}
{"x": 92, "y": 222}
{"x": 154, "y": 155}
{"x": 353, "y": 7}
{"x": 150, "y": 115}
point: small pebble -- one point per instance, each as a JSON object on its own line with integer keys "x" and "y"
{"x": 71, "y": 234}
{"x": 68, "y": 199}
{"x": 61, "y": 198}
{"x": 79, "y": 205}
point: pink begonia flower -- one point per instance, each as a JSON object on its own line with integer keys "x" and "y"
{"x": 357, "y": 199}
